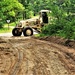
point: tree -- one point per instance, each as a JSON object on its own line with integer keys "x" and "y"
{"x": 34, "y": 6}
{"x": 25, "y": 3}
{"x": 9, "y": 9}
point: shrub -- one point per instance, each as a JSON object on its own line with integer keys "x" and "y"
{"x": 1, "y": 24}
{"x": 62, "y": 27}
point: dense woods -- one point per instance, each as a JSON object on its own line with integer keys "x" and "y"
{"x": 63, "y": 14}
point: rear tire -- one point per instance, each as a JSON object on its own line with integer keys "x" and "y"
{"x": 28, "y": 31}
{"x": 15, "y": 32}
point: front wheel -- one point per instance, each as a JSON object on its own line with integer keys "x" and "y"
{"x": 28, "y": 31}
{"x": 16, "y": 32}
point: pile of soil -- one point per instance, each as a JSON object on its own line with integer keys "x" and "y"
{"x": 66, "y": 51}
{"x": 59, "y": 40}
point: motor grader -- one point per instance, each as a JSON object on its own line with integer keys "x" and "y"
{"x": 27, "y": 26}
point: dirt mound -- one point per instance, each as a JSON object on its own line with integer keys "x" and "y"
{"x": 59, "y": 40}
{"x": 66, "y": 53}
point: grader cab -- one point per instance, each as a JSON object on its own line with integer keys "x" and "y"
{"x": 27, "y": 26}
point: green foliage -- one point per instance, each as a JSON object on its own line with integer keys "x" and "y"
{"x": 63, "y": 23}
{"x": 12, "y": 13}
{"x": 9, "y": 9}
{"x": 61, "y": 28}
{"x": 29, "y": 14}
{"x": 1, "y": 24}
{"x": 63, "y": 14}
{"x": 5, "y": 30}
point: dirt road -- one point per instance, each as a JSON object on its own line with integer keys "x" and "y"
{"x": 29, "y": 56}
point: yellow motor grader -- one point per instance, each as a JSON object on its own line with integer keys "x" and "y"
{"x": 27, "y": 26}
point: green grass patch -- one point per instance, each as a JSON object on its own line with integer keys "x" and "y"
{"x": 36, "y": 35}
{"x": 5, "y": 30}
{"x": 10, "y": 24}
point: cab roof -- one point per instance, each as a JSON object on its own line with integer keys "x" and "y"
{"x": 45, "y": 11}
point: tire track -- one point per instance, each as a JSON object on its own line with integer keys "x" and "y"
{"x": 16, "y": 66}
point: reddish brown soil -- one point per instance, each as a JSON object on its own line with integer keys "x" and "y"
{"x": 60, "y": 41}
{"x": 30, "y": 56}
{"x": 67, "y": 51}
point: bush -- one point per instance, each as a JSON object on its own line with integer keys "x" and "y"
{"x": 62, "y": 27}
{"x": 29, "y": 14}
{"x": 1, "y": 24}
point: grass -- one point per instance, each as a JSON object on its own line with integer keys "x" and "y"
{"x": 5, "y": 30}
{"x": 37, "y": 35}
{"x": 11, "y": 24}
